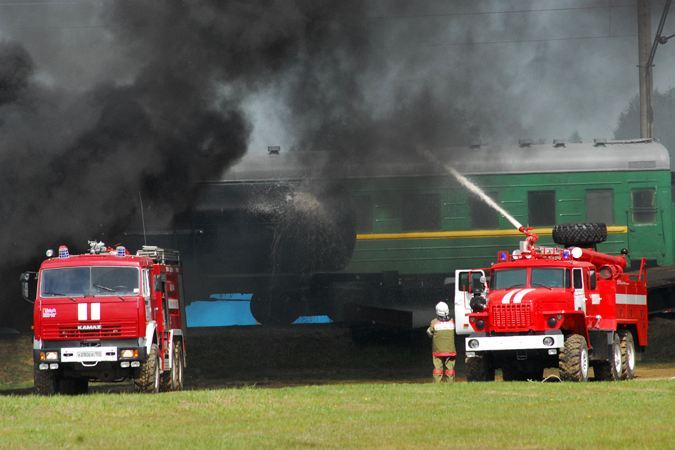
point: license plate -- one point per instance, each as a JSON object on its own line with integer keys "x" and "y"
{"x": 89, "y": 354}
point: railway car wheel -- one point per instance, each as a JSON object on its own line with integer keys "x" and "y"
{"x": 149, "y": 379}
{"x": 611, "y": 369}
{"x": 45, "y": 381}
{"x": 579, "y": 234}
{"x": 479, "y": 368}
{"x": 573, "y": 359}
{"x": 627, "y": 355}
{"x": 274, "y": 310}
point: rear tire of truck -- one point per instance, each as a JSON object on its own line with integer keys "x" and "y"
{"x": 627, "y": 355}
{"x": 579, "y": 234}
{"x": 610, "y": 370}
{"x": 573, "y": 359}
{"x": 479, "y": 368}
{"x": 172, "y": 380}
{"x": 149, "y": 374}
{"x": 45, "y": 382}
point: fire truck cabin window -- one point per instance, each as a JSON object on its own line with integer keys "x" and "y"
{"x": 600, "y": 206}
{"x": 643, "y": 205}
{"x": 70, "y": 282}
{"x": 85, "y": 281}
{"x": 482, "y": 216}
{"x": 421, "y": 212}
{"x": 363, "y": 209}
{"x": 510, "y": 278}
{"x": 550, "y": 278}
{"x": 541, "y": 208}
{"x": 576, "y": 273}
{"x": 114, "y": 280}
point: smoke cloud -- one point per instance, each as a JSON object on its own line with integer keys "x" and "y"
{"x": 101, "y": 101}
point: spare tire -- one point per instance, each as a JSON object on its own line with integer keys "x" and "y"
{"x": 579, "y": 234}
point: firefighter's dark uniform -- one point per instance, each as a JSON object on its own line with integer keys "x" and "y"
{"x": 443, "y": 349}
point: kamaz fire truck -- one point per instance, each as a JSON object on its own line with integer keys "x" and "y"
{"x": 568, "y": 307}
{"x": 107, "y": 316}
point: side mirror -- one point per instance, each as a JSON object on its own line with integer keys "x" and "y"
{"x": 159, "y": 282}
{"x": 28, "y": 286}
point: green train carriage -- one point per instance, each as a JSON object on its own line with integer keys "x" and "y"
{"x": 389, "y": 234}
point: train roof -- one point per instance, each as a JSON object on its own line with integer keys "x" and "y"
{"x": 603, "y": 156}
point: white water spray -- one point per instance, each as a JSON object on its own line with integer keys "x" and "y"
{"x": 464, "y": 181}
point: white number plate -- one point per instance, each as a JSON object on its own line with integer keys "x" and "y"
{"x": 89, "y": 354}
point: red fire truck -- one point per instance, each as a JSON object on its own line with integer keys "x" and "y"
{"x": 572, "y": 308}
{"x": 107, "y": 316}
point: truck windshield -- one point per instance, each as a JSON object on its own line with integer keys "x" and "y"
{"x": 510, "y": 278}
{"x": 88, "y": 281}
{"x": 550, "y": 277}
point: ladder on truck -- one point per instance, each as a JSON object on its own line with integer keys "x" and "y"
{"x": 160, "y": 255}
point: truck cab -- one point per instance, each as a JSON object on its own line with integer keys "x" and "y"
{"x": 108, "y": 316}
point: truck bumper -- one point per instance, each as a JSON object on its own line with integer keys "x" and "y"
{"x": 56, "y": 357}
{"x": 479, "y": 342}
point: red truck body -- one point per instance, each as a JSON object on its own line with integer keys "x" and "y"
{"x": 109, "y": 316}
{"x": 552, "y": 307}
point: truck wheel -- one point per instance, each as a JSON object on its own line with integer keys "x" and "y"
{"x": 573, "y": 359}
{"x": 610, "y": 370}
{"x": 173, "y": 379}
{"x": 149, "y": 374}
{"x": 579, "y": 234}
{"x": 479, "y": 368}
{"x": 627, "y": 355}
{"x": 45, "y": 382}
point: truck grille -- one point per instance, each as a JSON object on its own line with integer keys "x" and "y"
{"x": 511, "y": 316}
{"x": 70, "y": 331}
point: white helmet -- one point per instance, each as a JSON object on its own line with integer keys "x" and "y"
{"x": 442, "y": 310}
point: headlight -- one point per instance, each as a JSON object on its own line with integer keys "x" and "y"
{"x": 548, "y": 341}
{"x": 473, "y": 343}
{"x": 480, "y": 324}
{"x": 552, "y": 322}
{"x": 51, "y": 356}
{"x": 129, "y": 353}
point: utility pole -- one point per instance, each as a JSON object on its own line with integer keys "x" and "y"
{"x": 644, "y": 47}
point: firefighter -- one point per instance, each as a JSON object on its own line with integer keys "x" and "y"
{"x": 442, "y": 332}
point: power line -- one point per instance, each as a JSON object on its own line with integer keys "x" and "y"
{"x": 519, "y": 41}
{"x": 507, "y": 11}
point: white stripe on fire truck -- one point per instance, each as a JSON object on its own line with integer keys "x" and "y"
{"x": 95, "y": 311}
{"x": 631, "y": 299}
{"x": 519, "y": 296}
{"x": 508, "y": 295}
{"x": 82, "y": 311}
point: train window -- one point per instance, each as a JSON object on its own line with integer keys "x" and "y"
{"x": 541, "y": 208}
{"x": 600, "y": 206}
{"x": 421, "y": 212}
{"x": 482, "y": 216}
{"x": 363, "y": 209}
{"x": 644, "y": 202}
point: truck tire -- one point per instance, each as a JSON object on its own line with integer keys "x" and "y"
{"x": 579, "y": 234}
{"x": 573, "y": 359}
{"x": 172, "y": 380}
{"x": 611, "y": 369}
{"x": 45, "y": 382}
{"x": 479, "y": 368}
{"x": 148, "y": 379}
{"x": 627, "y": 355}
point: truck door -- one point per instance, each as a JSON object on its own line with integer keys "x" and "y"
{"x": 465, "y": 281}
{"x": 579, "y": 291}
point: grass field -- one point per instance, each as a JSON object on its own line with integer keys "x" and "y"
{"x": 636, "y": 414}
